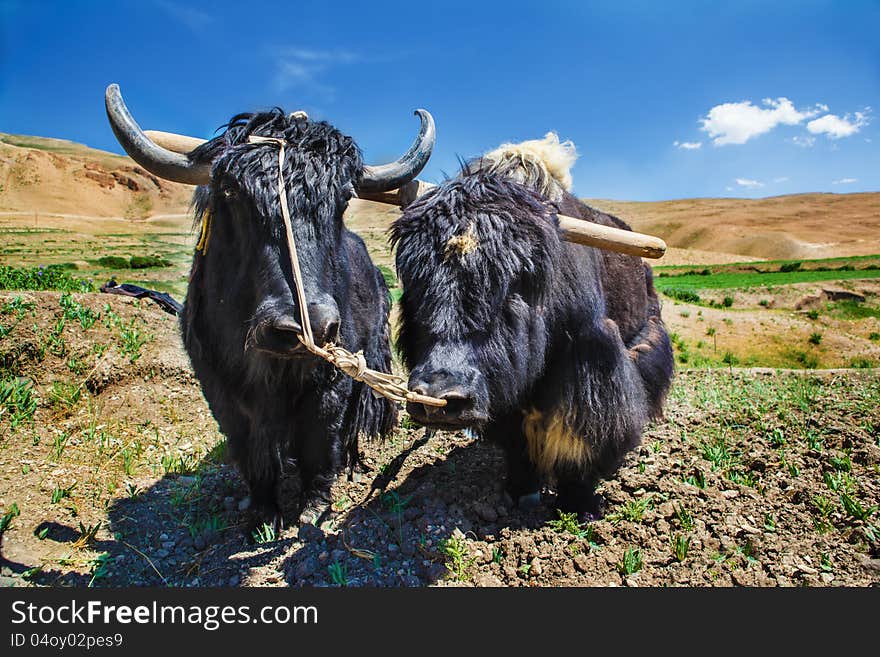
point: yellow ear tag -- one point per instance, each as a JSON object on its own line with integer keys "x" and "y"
{"x": 205, "y": 234}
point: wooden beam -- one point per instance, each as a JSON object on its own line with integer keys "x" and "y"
{"x": 573, "y": 230}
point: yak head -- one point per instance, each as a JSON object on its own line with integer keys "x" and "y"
{"x": 245, "y": 263}
{"x": 478, "y": 260}
{"x": 242, "y": 208}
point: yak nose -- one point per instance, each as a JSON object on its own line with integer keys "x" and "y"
{"x": 324, "y": 319}
{"x": 286, "y": 323}
{"x": 460, "y": 401}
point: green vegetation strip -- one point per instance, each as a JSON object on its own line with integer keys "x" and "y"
{"x": 728, "y": 281}
{"x": 52, "y": 277}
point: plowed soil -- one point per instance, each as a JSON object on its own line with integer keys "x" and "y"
{"x": 119, "y": 477}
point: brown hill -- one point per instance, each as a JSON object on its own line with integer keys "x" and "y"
{"x": 54, "y": 176}
{"x": 775, "y": 228}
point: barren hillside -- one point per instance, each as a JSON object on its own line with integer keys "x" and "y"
{"x": 775, "y": 228}
{"x": 45, "y": 176}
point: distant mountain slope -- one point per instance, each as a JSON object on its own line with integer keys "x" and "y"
{"x": 779, "y": 227}
{"x": 43, "y": 175}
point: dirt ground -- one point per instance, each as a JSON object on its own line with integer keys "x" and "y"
{"x": 780, "y": 333}
{"x": 119, "y": 478}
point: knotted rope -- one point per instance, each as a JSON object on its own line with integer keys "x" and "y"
{"x": 354, "y": 365}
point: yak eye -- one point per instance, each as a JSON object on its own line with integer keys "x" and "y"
{"x": 229, "y": 192}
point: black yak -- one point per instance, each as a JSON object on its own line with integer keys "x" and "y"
{"x": 277, "y": 403}
{"x": 553, "y": 350}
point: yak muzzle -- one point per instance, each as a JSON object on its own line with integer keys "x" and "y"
{"x": 280, "y": 335}
{"x": 464, "y": 396}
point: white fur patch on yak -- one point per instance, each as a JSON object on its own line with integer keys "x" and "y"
{"x": 554, "y": 157}
{"x": 552, "y": 443}
{"x": 463, "y": 244}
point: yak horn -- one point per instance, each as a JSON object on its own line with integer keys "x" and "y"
{"x": 160, "y": 161}
{"x": 573, "y": 230}
{"x": 383, "y": 177}
{"x": 174, "y": 142}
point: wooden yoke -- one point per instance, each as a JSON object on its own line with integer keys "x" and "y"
{"x": 573, "y": 230}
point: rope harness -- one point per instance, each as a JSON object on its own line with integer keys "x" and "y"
{"x": 388, "y": 385}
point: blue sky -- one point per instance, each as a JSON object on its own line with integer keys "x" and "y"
{"x": 782, "y": 97}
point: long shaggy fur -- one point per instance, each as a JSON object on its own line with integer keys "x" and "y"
{"x": 541, "y": 164}
{"x": 568, "y": 340}
{"x": 277, "y": 410}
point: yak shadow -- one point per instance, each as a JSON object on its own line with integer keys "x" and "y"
{"x": 404, "y": 521}
{"x": 410, "y": 528}
{"x": 189, "y": 530}
{"x": 186, "y": 530}
{"x": 40, "y": 574}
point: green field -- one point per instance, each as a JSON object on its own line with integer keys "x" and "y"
{"x": 765, "y": 274}
{"x": 737, "y": 281}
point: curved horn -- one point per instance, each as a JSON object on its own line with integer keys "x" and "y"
{"x": 382, "y": 177}
{"x": 155, "y": 159}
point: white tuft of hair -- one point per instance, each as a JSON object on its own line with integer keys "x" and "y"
{"x": 554, "y": 157}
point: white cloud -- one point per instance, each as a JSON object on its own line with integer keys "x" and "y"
{"x": 845, "y": 181}
{"x": 688, "y": 145}
{"x": 729, "y": 188}
{"x": 835, "y": 127}
{"x": 804, "y": 141}
{"x": 781, "y": 179}
{"x": 302, "y": 68}
{"x": 736, "y": 123}
{"x": 745, "y": 182}
{"x": 195, "y": 20}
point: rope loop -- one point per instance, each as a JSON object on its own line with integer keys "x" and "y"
{"x": 386, "y": 384}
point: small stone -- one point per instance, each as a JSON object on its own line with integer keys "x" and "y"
{"x": 324, "y": 556}
{"x": 163, "y": 536}
{"x": 244, "y": 504}
{"x": 309, "y": 533}
{"x": 235, "y": 580}
{"x": 229, "y": 503}
{"x": 536, "y": 569}
{"x": 199, "y": 543}
{"x": 306, "y": 567}
{"x": 581, "y": 563}
{"x": 730, "y": 494}
{"x": 410, "y": 581}
{"x": 393, "y": 548}
{"x": 871, "y": 565}
{"x": 485, "y": 512}
{"x": 162, "y": 553}
{"x": 809, "y": 570}
{"x": 436, "y": 572}
{"x": 338, "y": 555}
{"x": 827, "y": 577}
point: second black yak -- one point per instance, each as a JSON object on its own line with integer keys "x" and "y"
{"x": 555, "y": 351}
